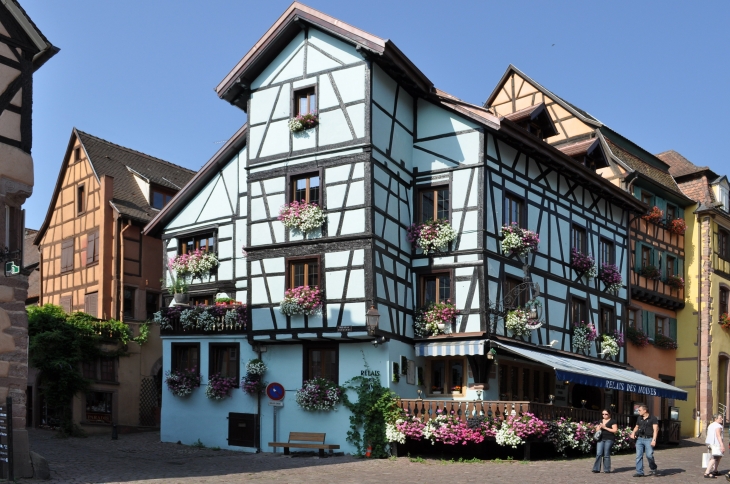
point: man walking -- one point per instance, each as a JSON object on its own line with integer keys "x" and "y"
{"x": 645, "y": 432}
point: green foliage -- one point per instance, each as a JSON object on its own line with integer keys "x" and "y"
{"x": 224, "y": 300}
{"x": 58, "y": 345}
{"x": 179, "y": 286}
{"x": 198, "y": 444}
{"x": 376, "y": 405}
{"x": 144, "y": 334}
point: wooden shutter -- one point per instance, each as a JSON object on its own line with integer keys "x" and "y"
{"x": 651, "y": 321}
{"x": 67, "y": 255}
{"x": 680, "y": 267}
{"x": 91, "y": 304}
{"x": 92, "y": 247}
{"x": 66, "y": 303}
{"x": 673, "y": 328}
{"x": 645, "y": 321}
{"x": 661, "y": 204}
{"x": 637, "y": 256}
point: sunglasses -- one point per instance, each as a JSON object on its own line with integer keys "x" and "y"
{"x": 605, "y": 414}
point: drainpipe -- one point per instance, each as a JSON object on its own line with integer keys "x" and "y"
{"x": 698, "y": 424}
{"x": 257, "y": 349}
{"x": 40, "y": 276}
{"x": 118, "y": 266}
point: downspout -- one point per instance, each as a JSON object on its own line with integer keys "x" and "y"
{"x": 257, "y": 349}
{"x": 698, "y": 424}
{"x": 40, "y": 276}
{"x": 118, "y": 266}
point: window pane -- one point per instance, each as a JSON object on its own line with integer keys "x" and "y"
{"x": 444, "y": 288}
{"x": 128, "y": 302}
{"x": 211, "y": 244}
{"x": 443, "y": 203}
{"x": 313, "y": 276}
{"x": 314, "y": 190}
{"x": 456, "y": 374}
{"x": 158, "y": 200}
{"x": 297, "y": 274}
{"x": 438, "y": 374}
{"x": 315, "y": 364}
{"x": 303, "y": 104}
{"x": 107, "y": 369}
{"x": 427, "y": 206}
{"x": 429, "y": 290}
{"x": 312, "y": 103}
{"x": 330, "y": 365}
{"x": 525, "y": 384}
{"x": 89, "y": 370}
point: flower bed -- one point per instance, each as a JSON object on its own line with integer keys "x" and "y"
{"x": 319, "y": 394}
{"x": 664, "y": 342}
{"x": 196, "y": 263}
{"x": 432, "y": 236}
{"x": 303, "y": 122}
{"x": 677, "y": 226}
{"x": 252, "y": 383}
{"x": 427, "y": 319}
{"x": 583, "y": 264}
{"x": 650, "y": 272}
{"x": 519, "y": 241}
{"x": 611, "y": 343}
{"x": 302, "y": 216}
{"x": 637, "y": 337}
{"x": 219, "y": 387}
{"x": 583, "y": 335}
{"x": 611, "y": 277}
{"x": 302, "y": 300}
{"x": 675, "y": 282}
{"x": 725, "y": 321}
{"x": 181, "y": 383}
{"x": 655, "y": 215}
{"x": 519, "y": 323}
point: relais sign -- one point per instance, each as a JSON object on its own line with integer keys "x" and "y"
{"x": 629, "y": 387}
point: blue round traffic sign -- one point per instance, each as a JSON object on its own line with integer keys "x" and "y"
{"x": 275, "y": 391}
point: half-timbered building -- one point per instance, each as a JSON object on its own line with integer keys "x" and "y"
{"x": 95, "y": 259}
{"x": 391, "y": 151}
{"x": 656, "y": 245}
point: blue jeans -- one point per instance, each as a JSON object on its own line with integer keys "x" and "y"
{"x": 603, "y": 452}
{"x": 643, "y": 445}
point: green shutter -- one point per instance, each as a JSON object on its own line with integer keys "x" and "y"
{"x": 637, "y": 255}
{"x": 645, "y": 321}
{"x": 673, "y": 328}
{"x": 661, "y": 204}
{"x": 654, "y": 253}
{"x": 651, "y": 321}
{"x": 637, "y": 192}
{"x": 680, "y": 267}
{"x": 680, "y": 212}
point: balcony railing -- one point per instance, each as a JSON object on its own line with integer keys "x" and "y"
{"x": 218, "y": 319}
{"x": 656, "y": 291}
{"x": 428, "y": 409}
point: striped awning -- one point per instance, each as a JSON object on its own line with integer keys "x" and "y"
{"x": 450, "y": 348}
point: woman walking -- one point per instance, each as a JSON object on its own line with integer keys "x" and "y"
{"x": 608, "y": 428}
{"x": 715, "y": 445}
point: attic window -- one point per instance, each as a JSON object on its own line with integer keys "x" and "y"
{"x": 305, "y": 101}
{"x": 77, "y": 154}
{"x": 160, "y": 197}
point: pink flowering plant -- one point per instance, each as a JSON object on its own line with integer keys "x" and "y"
{"x": 448, "y": 429}
{"x": 675, "y": 282}
{"x": 302, "y": 216}
{"x": 724, "y": 321}
{"x": 303, "y": 122}
{"x": 515, "y": 430}
{"x": 583, "y": 264}
{"x": 208, "y": 318}
{"x": 195, "y": 264}
{"x": 319, "y": 394}
{"x": 432, "y": 236}
{"x": 181, "y": 383}
{"x": 302, "y": 300}
{"x": 611, "y": 277}
{"x": 519, "y": 241}
{"x": 219, "y": 387}
{"x": 664, "y": 342}
{"x": 583, "y": 335}
{"x": 611, "y": 343}
{"x": 655, "y": 215}
{"x": 253, "y": 383}
{"x": 566, "y": 434}
{"x": 428, "y": 319}
{"x": 650, "y": 272}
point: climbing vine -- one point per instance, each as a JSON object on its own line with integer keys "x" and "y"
{"x": 58, "y": 345}
{"x": 375, "y": 406}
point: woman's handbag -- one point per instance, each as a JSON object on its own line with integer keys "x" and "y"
{"x": 597, "y": 435}
{"x": 706, "y": 459}
{"x": 716, "y": 450}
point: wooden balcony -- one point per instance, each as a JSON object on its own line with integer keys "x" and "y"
{"x": 219, "y": 325}
{"x": 660, "y": 233}
{"x": 428, "y": 409}
{"x": 656, "y": 292}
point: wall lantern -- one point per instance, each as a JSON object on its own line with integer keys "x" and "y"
{"x": 372, "y": 320}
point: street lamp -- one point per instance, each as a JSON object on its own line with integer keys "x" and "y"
{"x": 372, "y": 319}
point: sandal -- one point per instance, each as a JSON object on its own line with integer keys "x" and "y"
{"x": 709, "y": 476}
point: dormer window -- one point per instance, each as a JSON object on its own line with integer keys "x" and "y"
{"x": 159, "y": 197}
{"x": 587, "y": 152}
{"x": 535, "y": 120}
{"x": 725, "y": 199}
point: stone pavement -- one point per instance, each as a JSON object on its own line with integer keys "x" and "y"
{"x": 142, "y": 458}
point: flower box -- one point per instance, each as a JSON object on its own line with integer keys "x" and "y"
{"x": 219, "y": 387}
{"x": 181, "y": 383}
{"x": 432, "y": 236}
{"x": 202, "y": 318}
{"x": 583, "y": 335}
{"x": 195, "y": 264}
{"x": 677, "y": 226}
{"x": 611, "y": 277}
{"x": 650, "y": 272}
{"x": 637, "y": 337}
{"x": 433, "y": 318}
{"x": 302, "y": 216}
{"x": 583, "y": 264}
{"x": 655, "y": 215}
{"x": 303, "y": 122}
{"x": 519, "y": 241}
{"x": 725, "y": 321}
{"x": 302, "y": 300}
{"x": 319, "y": 394}
{"x": 611, "y": 344}
{"x": 675, "y": 282}
{"x": 664, "y": 342}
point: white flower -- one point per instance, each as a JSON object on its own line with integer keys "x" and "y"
{"x": 506, "y": 436}
{"x": 610, "y": 345}
{"x": 516, "y": 322}
{"x": 392, "y": 434}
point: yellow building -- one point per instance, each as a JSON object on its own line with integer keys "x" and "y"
{"x": 704, "y": 353}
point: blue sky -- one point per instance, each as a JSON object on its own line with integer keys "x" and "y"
{"x": 142, "y": 73}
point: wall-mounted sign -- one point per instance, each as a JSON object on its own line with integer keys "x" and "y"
{"x": 276, "y": 403}
{"x": 344, "y": 329}
{"x": 275, "y": 391}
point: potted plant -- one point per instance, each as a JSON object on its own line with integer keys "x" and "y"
{"x": 611, "y": 277}
{"x": 637, "y": 337}
{"x": 432, "y": 236}
{"x": 195, "y": 264}
{"x": 433, "y": 318}
{"x": 302, "y": 300}
{"x": 253, "y": 382}
{"x": 583, "y": 264}
{"x": 302, "y": 216}
{"x": 677, "y": 226}
{"x": 725, "y": 321}
{"x": 180, "y": 291}
{"x": 181, "y": 383}
{"x": 219, "y": 387}
{"x": 675, "y": 282}
{"x": 650, "y": 272}
{"x": 319, "y": 394}
{"x": 303, "y": 122}
{"x": 610, "y": 344}
{"x": 519, "y": 241}
{"x": 655, "y": 215}
{"x": 583, "y": 335}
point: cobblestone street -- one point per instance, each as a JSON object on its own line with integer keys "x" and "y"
{"x": 142, "y": 458}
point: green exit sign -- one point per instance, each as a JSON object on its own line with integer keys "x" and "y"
{"x": 11, "y": 268}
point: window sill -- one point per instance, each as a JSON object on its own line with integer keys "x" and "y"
{"x": 92, "y": 264}
{"x": 102, "y": 382}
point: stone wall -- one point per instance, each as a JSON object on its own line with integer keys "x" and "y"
{"x": 704, "y": 403}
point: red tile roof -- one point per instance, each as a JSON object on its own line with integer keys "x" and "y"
{"x": 678, "y": 164}
{"x": 579, "y": 148}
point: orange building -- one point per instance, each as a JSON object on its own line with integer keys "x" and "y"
{"x": 93, "y": 258}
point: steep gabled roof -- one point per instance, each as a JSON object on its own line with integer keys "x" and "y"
{"x": 110, "y": 159}
{"x": 680, "y": 166}
{"x": 234, "y": 144}
{"x": 236, "y": 83}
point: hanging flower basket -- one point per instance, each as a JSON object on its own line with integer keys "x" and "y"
{"x": 675, "y": 282}
{"x": 195, "y": 264}
{"x": 302, "y": 300}
{"x": 611, "y": 343}
{"x": 432, "y": 236}
{"x": 303, "y": 122}
{"x": 650, "y": 272}
{"x": 611, "y": 277}
{"x": 655, "y": 215}
{"x": 518, "y": 322}
{"x": 219, "y": 387}
{"x": 583, "y": 263}
{"x": 302, "y": 216}
{"x": 677, "y": 226}
{"x": 256, "y": 367}
{"x": 217, "y": 317}
{"x": 637, "y": 337}
{"x": 319, "y": 394}
{"x": 664, "y": 342}
{"x": 181, "y": 383}
{"x": 253, "y": 383}
{"x": 428, "y": 319}
{"x": 519, "y": 241}
{"x": 583, "y": 335}
{"x": 725, "y": 321}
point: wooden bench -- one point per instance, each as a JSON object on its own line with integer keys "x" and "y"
{"x": 305, "y": 440}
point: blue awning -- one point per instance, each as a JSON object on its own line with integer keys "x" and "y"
{"x": 450, "y": 348}
{"x": 597, "y": 375}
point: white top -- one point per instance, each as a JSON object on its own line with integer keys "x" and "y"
{"x": 712, "y": 434}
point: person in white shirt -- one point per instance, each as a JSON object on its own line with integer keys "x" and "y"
{"x": 715, "y": 445}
